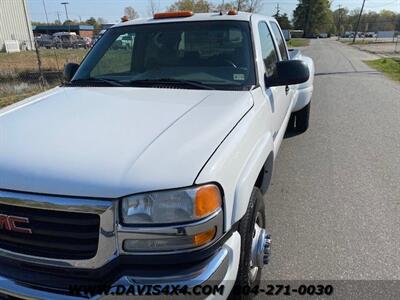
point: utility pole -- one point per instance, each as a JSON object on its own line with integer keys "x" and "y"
{"x": 66, "y": 14}
{"x": 358, "y": 22}
{"x": 65, "y": 7}
{"x": 45, "y": 12}
{"x": 277, "y": 10}
{"x": 340, "y": 22}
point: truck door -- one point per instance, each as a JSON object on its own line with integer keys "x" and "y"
{"x": 282, "y": 49}
{"x": 280, "y": 96}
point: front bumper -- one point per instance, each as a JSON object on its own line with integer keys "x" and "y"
{"x": 220, "y": 269}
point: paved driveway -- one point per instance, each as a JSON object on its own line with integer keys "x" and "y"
{"x": 334, "y": 204}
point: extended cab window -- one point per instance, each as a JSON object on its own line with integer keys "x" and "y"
{"x": 280, "y": 40}
{"x": 215, "y": 54}
{"x": 268, "y": 49}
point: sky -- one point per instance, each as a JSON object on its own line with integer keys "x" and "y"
{"x": 112, "y": 10}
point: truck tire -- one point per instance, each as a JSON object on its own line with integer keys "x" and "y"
{"x": 299, "y": 121}
{"x": 253, "y": 222}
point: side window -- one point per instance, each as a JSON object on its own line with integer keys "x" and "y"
{"x": 280, "y": 40}
{"x": 118, "y": 59}
{"x": 268, "y": 49}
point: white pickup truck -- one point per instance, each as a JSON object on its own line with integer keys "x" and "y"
{"x": 150, "y": 164}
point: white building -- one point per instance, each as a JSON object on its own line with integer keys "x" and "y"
{"x": 15, "y": 24}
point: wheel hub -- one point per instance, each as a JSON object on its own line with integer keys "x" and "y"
{"x": 260, "y": 250}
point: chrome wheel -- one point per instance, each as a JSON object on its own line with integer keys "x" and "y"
{"x": 260, "y": 248}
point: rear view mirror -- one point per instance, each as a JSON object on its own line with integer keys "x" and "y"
{"x": 69, "y": 71}
{"x": 289, "y": 72}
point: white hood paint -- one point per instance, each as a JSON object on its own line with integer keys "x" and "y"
{"x": 111, "y": 142}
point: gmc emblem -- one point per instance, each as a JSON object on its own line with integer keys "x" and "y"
{"x": 10, "y": 223}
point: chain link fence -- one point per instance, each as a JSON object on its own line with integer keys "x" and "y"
{"x": 26, "y": 73}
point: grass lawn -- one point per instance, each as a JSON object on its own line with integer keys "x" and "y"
{"x": 388, "y": 66}
{"x": 52, "y": 59}
{"x": 14, "y": 66}
{"x": 365, "y": 42}
{"x": 10, "y": 99}
{"x": 298, "y": 42}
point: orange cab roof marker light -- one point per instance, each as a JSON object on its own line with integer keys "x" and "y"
{"x": 174, "y": 14}
{"x": 232, "y": 12}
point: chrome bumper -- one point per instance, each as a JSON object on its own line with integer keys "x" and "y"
{"x": 212, "y": 273}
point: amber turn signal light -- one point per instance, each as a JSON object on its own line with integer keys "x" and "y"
{"x": 204, "y": 237}
{"x": 208, "y": 200}
{"x": 173, "y": 14}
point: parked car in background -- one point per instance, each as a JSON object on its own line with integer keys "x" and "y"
{"x": 88, "y": 41}
{"x": 69, "y": 40}
{"x": 370, "y": 34}
{"x": 45, "y": 41}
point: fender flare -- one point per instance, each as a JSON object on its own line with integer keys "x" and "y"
{"x": 261, "y": 157}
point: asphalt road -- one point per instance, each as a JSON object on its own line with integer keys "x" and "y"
{"x": 333, "y": 208}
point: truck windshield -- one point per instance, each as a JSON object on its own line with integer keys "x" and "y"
{"x": 215, "y": 55}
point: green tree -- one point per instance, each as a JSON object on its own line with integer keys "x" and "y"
{"x": 387, "y": 20}
{"x": 340, "y": 19}
{"x": 92, "y": 21}
{"x": 197, "y": 6}
{"x": 70, "y": 22}
{"x": 283, "y": 20}
{"x": 313, "y": 16}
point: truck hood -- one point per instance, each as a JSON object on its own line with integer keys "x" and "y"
{"x": 112, "y": 142}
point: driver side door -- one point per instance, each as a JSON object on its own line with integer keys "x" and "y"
{"x": 279, "y": 96}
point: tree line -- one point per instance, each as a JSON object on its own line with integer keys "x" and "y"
{"x": 316, "y": 16}
{"x": 312, "y": 16}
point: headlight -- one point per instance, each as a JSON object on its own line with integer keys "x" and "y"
{"x": 174, "y": 206}
{"x": 174, "y": 220}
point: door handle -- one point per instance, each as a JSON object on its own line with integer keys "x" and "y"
{"x": 287, "y": 90}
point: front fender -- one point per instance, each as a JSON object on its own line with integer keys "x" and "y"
{"x": 238, "y": 161}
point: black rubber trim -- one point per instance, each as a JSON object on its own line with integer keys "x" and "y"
{"x": 56, "y": 278}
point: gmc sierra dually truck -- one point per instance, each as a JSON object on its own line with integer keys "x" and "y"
{"x": 150, "y": 163}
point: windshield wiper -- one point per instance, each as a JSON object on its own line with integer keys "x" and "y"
{"x": 112, "y": 82}
{"x": 192, "y": 83}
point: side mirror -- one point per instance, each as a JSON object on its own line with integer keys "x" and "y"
{"x": 288, "y": 72}
{"x": 69, "y": 71}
